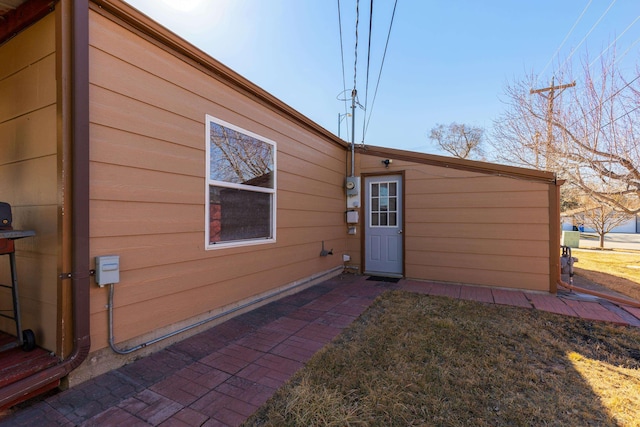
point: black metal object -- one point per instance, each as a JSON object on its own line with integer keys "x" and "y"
{"x": 24, "y": 338}
{"x": 6, "y": 219}
{"x": 566, "y": 262}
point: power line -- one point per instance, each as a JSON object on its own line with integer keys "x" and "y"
{"x": 619, "y": 117}
{"x": 620, "y": 90}
{"x": 344, "y": 80}
{"x": 606, "y": 100}
{"x": 565, "y": 39}
{"x": 366, "y": 92}
{"x": 384, "y": 55}
{"x": 613, "y": 42}
{"x": 626, "y": 51}
{"x": 588, "y": 33}
{"x": 354, "y": 93}
{"x": 355, "y": 61}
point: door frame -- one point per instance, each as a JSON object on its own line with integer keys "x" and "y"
{"x": 365, "y": 206}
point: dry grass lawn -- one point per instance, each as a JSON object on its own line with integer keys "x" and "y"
{"x": 422, "y": 360}
{"x": 617, "y": 270}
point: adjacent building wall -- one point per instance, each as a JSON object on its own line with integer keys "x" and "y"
{"x": 148, "y": 103}
{"x": 471, "y": 227}
{"x": 29, "y": 174}
{"x": 148, "y": 107}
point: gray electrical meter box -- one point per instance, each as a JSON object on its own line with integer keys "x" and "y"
{"x": 352, "y": 185}
{"x": 107, "y": 269}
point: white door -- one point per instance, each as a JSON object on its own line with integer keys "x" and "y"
{"x": 383, "y": 226}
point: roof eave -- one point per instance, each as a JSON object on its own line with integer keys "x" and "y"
{"x": 206, "y": 63}
{"x": 460, "y": 164}
{"x": 24, "y": 14}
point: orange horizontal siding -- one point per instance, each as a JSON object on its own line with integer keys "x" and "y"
{"x": 465, "y": 223}
{"x": 148, "y": 107}
{"x": 446, "y": 214}
{"x": 29, "y": 175}
{"x": 506, "y": 279}
{"x": 488, "y": 246}
{"x": 471, "y": 230}
{"x": 486, "y": 198}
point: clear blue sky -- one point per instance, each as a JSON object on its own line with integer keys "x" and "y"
{"x": 446, "y": 61}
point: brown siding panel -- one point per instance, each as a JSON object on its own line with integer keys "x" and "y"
{"x": 443, "y": 214}
{"x": 490, "y": 246}
{"x": 478, "y": 200}
{"x": 530, "y": 232}
{"x": 470, "y": 227}
{"x": 515, "y": 280}
{"x": 148, "y": 110}
{"x": 29, "y": 173}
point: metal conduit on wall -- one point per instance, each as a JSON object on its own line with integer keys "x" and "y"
{"x": 209, "y": 319}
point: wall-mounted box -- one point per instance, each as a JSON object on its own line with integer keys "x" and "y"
{"x": 352, "y": 188}
{"x": 352, "y": 185}
{"x": 107, "y": 269}
{"x": 352, "y": 217}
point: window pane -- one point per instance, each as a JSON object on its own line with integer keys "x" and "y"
{"x": 375, "y": 206}
{"x": 239, "y": 215}
{"x": 374, "y": 190}
{"x": 374, "y": 219}
{"x": 392, "y": 204}
{"x": 392, "y": 219}
{"x": 239, "y": 158}
{"x": 383, "y": 219}
{"x": 384, "y": 189}
{"x": 392, "y": 189}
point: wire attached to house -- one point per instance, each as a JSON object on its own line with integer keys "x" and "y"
{"x": 366, "y": 92}
{"x": 384, "y": 55}
{"x": 355, "y": 61}
{"x": 344, "y": 80}
{"x": 354, "y": 98}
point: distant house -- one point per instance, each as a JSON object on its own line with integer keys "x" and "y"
{"x": 575, "y": 218}
{"x": 120, "y": 138}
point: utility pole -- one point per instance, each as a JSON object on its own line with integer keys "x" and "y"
{"x": 354, "y": 93}
{"x": 550, "y": 98}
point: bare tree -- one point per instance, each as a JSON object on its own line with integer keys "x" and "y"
{"x": 589, "y": 134}
{"x": 602, "y": 218}
{"x": 459, "y": 140}
{"x": 570, "y": 198}
{"x": 237, "y": 157}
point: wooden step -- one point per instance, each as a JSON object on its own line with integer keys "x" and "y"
{"x": 16, "y": 364}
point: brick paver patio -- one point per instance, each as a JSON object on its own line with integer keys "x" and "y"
{"x": 221, "y": 376}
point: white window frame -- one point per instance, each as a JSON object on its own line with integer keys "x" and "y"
{"x": 370, "y": 202}
{"x": 209, "y": 183}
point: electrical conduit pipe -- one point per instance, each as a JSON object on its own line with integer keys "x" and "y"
{"x": 611, "y": 298}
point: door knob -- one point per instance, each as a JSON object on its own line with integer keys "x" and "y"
{"x": 399, "y": 231}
